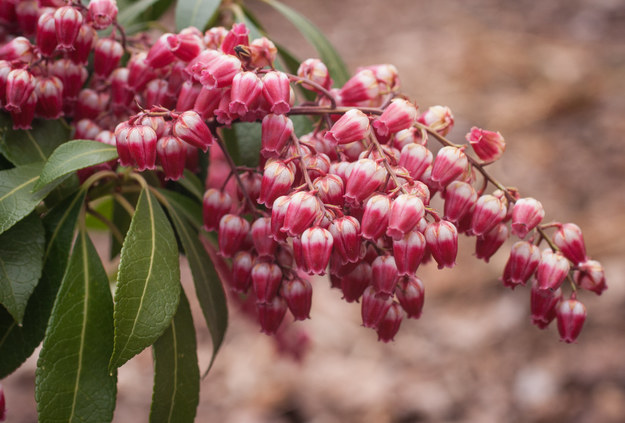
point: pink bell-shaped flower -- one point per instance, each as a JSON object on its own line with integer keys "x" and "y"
{"x": 142, "y": 146}
{"x": 400, "y": 114}
{"x": 389, "y": 324}
{"x": 591, "y": 276}
{"x": 276, "y": 132}
{"x": 266, "y": 280}
{"x": 316, "y": 249}
{"x": 49, "y": 93}
{"x": 173, "y": 155}
{"x": 450, "y": 163}
{"x": 352, "y": 126}
{"x": 246, "y": 89}
{"x": 376, "y": 216}
{"x": 232, "y": 232}
{"x": 385, "y": 275}
{"x": 442, "y": 241}
{"x": 277, "y": 92}
{"x": 242, "y": 264}
{"x": 374, "y": 307}
{"x": 298, "y": 296}
{"x": 526, "y": 215}
{"x": 460, "y": 198}
{"x": 190, "y": 128}
{"x": 543, "y": 305}
{"x": 106, "y": 56}
{"x": 409, "y": 252}
{"x": 271, "y": 314}
{"x": 486, "y": 245}
{"x": 304, "y": 209}
{"x": 102, "y": 13}
{"x": 365, "y": 177}
{"x": 438, "y": 118}
{"x": 415, "y": 158}
{"x": 411, "y": 295}
{"x": 570, "y": 241}
{"x": 571, "y": 315}
{"x": 215, "y": 205}
{"x": 261, "y": 235}
{"x": 406, "y": 211}
{"x": 488, "y": 145}
{"x": 552, "y": 269}
{"x": 277, "y": 181}
{"x": 521, "y": 265}
{"x": 489, "y": 212}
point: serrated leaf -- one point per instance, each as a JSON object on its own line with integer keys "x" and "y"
{"x": 208, "y": 287}
{"x": 148, "y": 284}
{"x": 74, "y": 155}
{"x": 132, "y": 11}
{"x": 192, "y": 183}
{"x": 176, "y": 373}
{"x": 17, "y": 343}
{"x": 32, "y": 145}
{"x": 73, "y": 383}
{"x": 197, "y": 13}
{"x": 243, "y": 141}
{"x": 16, "y": 198}
{"x": 329, "y": 56}
{"x": 21, "y": 262}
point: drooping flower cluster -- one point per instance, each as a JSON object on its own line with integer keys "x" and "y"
{"x": 350, "y": 199}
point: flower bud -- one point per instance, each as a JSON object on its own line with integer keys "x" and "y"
{"x": 278, "y": 213}
{"x": 375, "y": 217}
{"x": 460, "y": 198}
{"x": 121, "y": 140}
{"x": 298, "y": 295}
{"x": 406, "y": 211}
{"x": 277, "y": 181}
{"x": 450, "y": 163}
{"x": 442, "y": 241}
{"x": 20, "y": 85}
{"x": 83, "y": 45}
{"x": 246, "y": 89}
{"x": 438, "y": 118}
{"x": 486, "y": 245}
{"x": 261, "y": 234}
{"x": 355, "y": 280}
{"x": 316, "y": 71}
{"x": 521, "y": 265}
{"x": 266, "y": 280}
{"x": 488, "y": 145}
{"x": 527, "y": 213}
{"x": 365, "y": 177}
{"x": 160, "y": 54}
{"x": 46, "y": 34}
{"x": 173, "y": 155}
{"x": 49, "y": 93}
{"x": 263, "y": 52}
{"x": 570, "y": 241}
{"x": 411, "y": 295}
{"x": 330, "y": 189}
{"x": 220, "y": 71}
{"x": 102, "y": 13}
{"x": 271, "y": 314}
{"x": 385, "y": 275}
{"x": 276, "y": 132}
{"x": 389, "y": 325}
{"x": 409, "y": 252}
{"x": 67, "y": 22}
{"x": 190, "y": 128}
{"x": 277, "y": 91}
{"x": 346, "y": 234}
{"x": 232, "y": 232}
{"x": 24, "y": 118}
{"x": 571, "y": 315}
{"x": 489, "y": 212}
{"x": 400, "y": 114}
{"x": 242, "y": 263}
{"x": 352, "y": 126}
{"x": 316, "y": 244}
{"x": 552, "y": 269}
{"x": 543, "y": 305}
{"x": 19, "y": 48}
{"x": 374, "y": 307}
{"x": 361, "y": 87}
{"x": 590, "y": 276}
{"x": 238, "y": 35}
{"x": 106, "y": 56}
{"x": 215, "y": 205}
{"x": 303, "y": 209}
{"x": 415, "y": 158}
{"x": 142, "y": 146}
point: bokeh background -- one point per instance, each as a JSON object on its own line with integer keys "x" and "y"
{"x": 550, "y": 76}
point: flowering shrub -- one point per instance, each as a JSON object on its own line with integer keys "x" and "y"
{"x": 260, "y": 169}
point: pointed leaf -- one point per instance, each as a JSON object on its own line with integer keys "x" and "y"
{"x": 121, "y": 219}
{"x": 197, "y": 13}
{"x": 208, "y": 287}
{"x": 32, "y": 145}
{"x": 243, "y": 142}
{"x": 184, "y": 207}
{"x": 21, "y": 261}
{"x": 176, "y": 373}
{"x": 74, "y": 155}
{"x": 17, "y": 343}
{"x": 328, "y": 55}
{"x": 148, "y": 285}
{"x": 129, "y": 14}
{"x": 16, "y": 198}
{"x": 73, "y": 382}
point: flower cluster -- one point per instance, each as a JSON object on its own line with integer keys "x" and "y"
{"x": 351, "y": 199}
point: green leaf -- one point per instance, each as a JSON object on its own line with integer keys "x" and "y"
{"x": 121, "y": 219}
{"x": 72, "y": 156}
{"x": 208, "y": 288}
{"x": 21, "y": 261}
{"x": 16, "y": 198}
{"x": 17, "y": 343}
{"x": 197, "y": 13}
{"x": 192, "y": 183}
{"x": 243, "y": 141}
{"x": 328, "y": 55}
{"x": 33, "y": 145}
{"x": 130, "y": 13}
{"x": 148, "y": 285}
{"x": 176, "y": 373}
{"x": 73, "y": 383}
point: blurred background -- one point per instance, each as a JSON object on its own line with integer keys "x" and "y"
{"x": 550, "y": 76}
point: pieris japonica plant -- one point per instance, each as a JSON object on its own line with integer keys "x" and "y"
{"x": 263, "y": 170}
